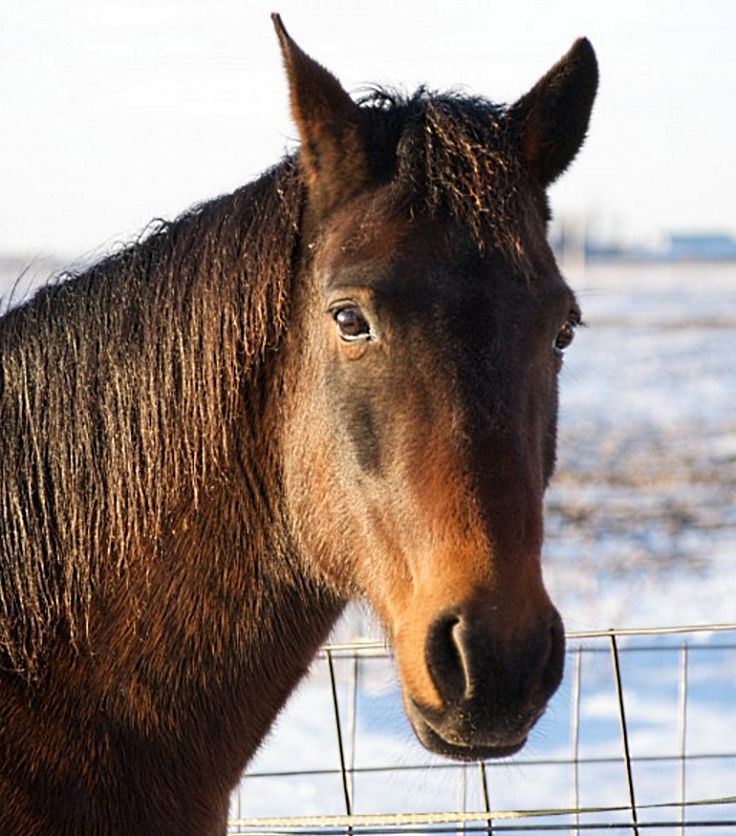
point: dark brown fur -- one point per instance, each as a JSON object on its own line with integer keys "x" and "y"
{"x": 197, "y": 473}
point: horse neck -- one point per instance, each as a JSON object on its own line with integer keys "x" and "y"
{"x": 191, "y": 654}
{"x": 223, "y": 615}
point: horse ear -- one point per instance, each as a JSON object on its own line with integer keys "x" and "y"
{"x": 333, "y": 152}
{"x": 552, "y": 118}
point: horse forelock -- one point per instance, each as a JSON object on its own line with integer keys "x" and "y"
{"x": 456, "y": 157}
{"x": 119, "y": 388}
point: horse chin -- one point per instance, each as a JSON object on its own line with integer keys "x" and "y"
{"x": 461, "y": 750}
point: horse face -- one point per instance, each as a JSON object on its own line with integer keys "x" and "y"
{"x": 418, "y": 461}
{"x": 418, "y": 448}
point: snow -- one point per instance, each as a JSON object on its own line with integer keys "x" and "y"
{"x": 641, "y": 525}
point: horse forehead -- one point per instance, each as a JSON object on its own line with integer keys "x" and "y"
{"x": 435, "y": 260}
{"x": 379, "y": 250}
{"x": 357, "y": 239}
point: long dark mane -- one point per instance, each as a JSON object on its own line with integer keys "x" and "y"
{"x": 120, "y": 384}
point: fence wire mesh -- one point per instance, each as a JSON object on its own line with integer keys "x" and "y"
{"x": 641, "y": 737}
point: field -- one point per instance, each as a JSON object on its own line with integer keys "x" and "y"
{"x": 642, "y": 513}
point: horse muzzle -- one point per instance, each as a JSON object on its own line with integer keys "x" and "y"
{"x": 492, "y": 689}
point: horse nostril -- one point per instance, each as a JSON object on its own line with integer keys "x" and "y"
{"x": 493, "y": 684}
{"x": 446, "y": 657}
{"x": 475, "y": 671}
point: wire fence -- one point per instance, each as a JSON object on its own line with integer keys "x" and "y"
{"x": 641, "y": 737}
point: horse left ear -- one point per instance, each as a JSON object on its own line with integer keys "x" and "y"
{"x": 333, "y": 154}
{"x": 552, "y": 118}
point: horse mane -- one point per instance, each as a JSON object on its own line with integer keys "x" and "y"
{"x": 120, "y": 384}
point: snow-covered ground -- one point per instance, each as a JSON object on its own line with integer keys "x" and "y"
{"x": 641, "y": 524}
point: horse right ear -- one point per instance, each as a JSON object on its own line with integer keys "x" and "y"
{"x": 552, "y": 118}
{"x": 333, "y": 154}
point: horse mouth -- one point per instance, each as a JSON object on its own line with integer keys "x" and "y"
{"x": 459, "y": 750}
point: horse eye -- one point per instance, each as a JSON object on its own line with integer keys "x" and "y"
{"x": 566, "y": 335}
{"x": 351, "y": 323}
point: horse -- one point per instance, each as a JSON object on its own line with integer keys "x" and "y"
{"x": 337, "y": 382}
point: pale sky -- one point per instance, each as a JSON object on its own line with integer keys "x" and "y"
{"x": 117, "y": 111}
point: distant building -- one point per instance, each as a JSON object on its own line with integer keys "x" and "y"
{"x": 700, "y": 247}
{"x": 675, "y": 247}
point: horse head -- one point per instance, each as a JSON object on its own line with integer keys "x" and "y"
{"x": 428, "y": 331}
